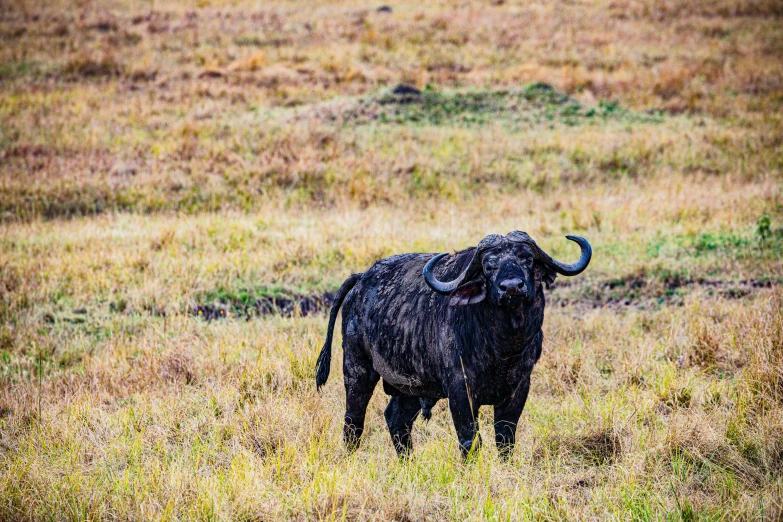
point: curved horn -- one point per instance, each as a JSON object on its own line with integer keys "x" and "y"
{"x": 569, "y": 269}
{"x": 439, "y": 286}
{"x": 446, "y": 287}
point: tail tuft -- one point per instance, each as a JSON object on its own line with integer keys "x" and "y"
{"x": 322, "y": 367}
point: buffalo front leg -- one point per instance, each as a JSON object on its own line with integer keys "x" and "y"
{"x": 507, "y": 416}
{"x": 400, "y": 414}
{"x": 464, "y": 413}
{"x": 360, "y": 381}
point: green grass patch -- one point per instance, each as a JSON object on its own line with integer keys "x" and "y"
{"x": 532, "y": 105}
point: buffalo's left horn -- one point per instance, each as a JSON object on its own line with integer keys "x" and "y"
{"x": 569, "y": 269}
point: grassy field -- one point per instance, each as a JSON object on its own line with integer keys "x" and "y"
{"x": 184, "y": 184}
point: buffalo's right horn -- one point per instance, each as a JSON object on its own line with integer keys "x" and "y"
{"x": 440, "y": 286}
{"x": 446, "y": 287}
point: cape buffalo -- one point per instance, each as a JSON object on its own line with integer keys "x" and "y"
{"x": 465, "y": 326}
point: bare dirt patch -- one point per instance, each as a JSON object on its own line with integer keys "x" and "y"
{"x": 286, "y": 306}
{"x": 636, "y": 293}
{"x": 648, "y": 292}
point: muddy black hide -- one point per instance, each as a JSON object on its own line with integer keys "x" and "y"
{"x": 464, "y": 327}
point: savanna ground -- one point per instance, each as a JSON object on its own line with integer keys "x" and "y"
{"x": 182, "y": 185}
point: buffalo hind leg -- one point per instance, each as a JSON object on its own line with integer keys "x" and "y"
{"x": 400, "y": 414}
{"x": 506, "y": 418}
{"x": 360, "y": 381}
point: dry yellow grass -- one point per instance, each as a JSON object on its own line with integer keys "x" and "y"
{"x": 165, "y": 157}
{"x": 118, "y": 106}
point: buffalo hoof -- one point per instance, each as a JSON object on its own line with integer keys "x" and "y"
{"x": 352, "y": 437}
{"x": 402, "y": 445}
{"x": 469, "y": 448}
{"x": 506, "y": 451}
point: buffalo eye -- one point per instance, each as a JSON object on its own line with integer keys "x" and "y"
{"x": 525, "y": 261}
{"x": 491, "y": 264}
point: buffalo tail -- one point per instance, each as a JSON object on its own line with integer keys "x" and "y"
{"x": 325, "y": 357}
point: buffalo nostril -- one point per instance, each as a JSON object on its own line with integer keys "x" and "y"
{"x": 515, "y": 286}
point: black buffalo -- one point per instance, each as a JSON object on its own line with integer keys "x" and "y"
{"x": 466, "y": 327}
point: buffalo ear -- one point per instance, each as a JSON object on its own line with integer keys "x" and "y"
{"x": 545, "y": 275}
{"x": 469, "y": 293}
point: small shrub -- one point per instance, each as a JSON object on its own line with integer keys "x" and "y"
{"x": 763, "y": 228}
{"x": 89, "y": 66}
